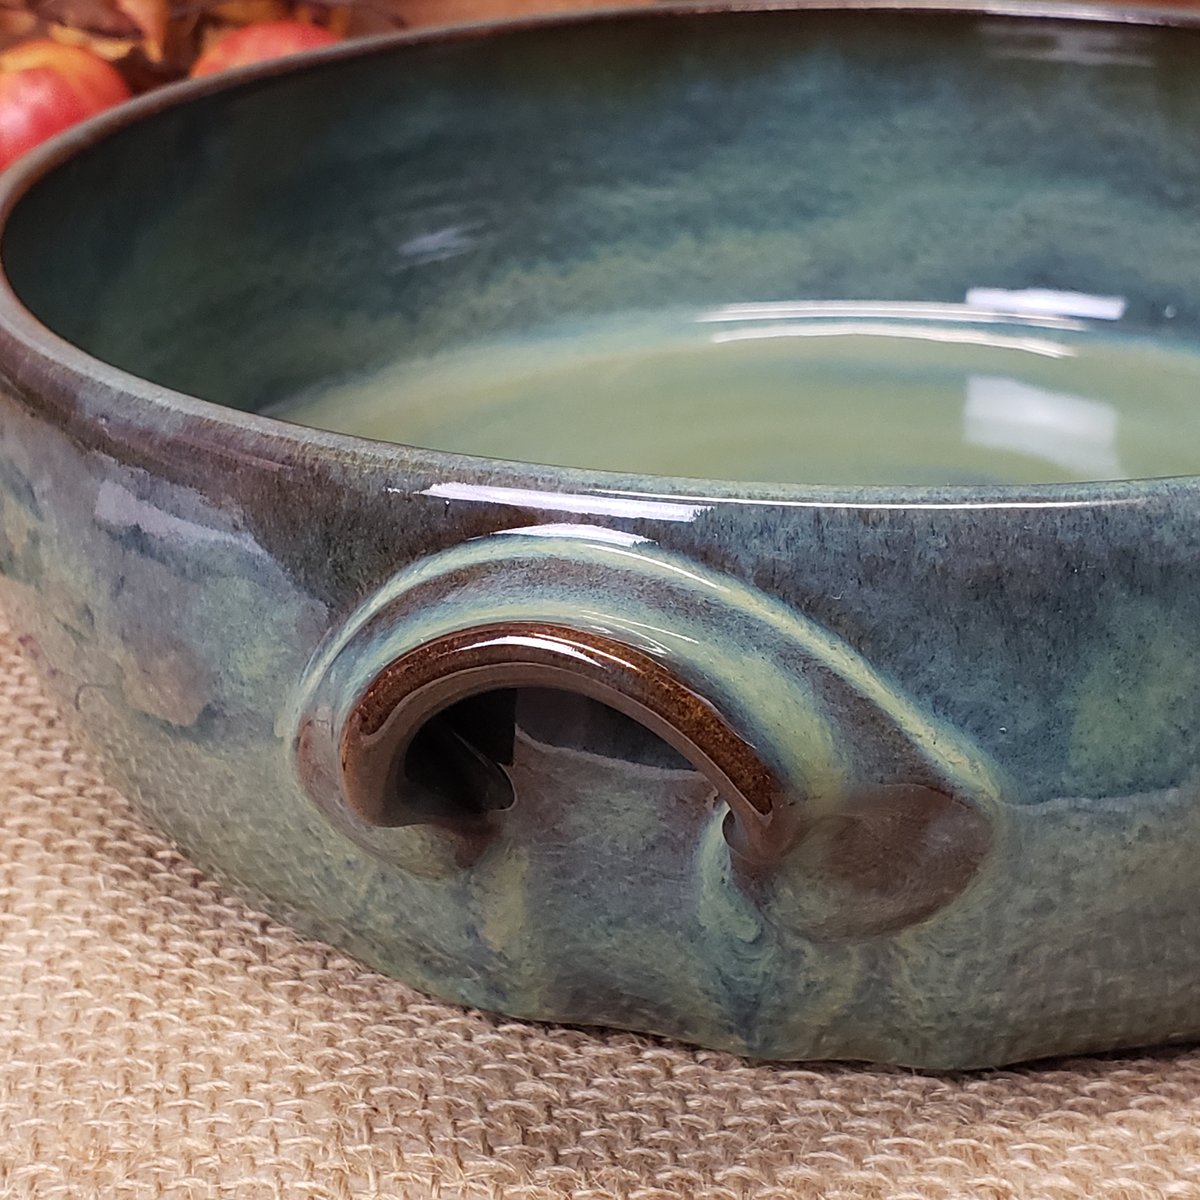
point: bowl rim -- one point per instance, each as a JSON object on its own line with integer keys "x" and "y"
{"x": 67, "y": 384}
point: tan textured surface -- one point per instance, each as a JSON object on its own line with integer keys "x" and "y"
{"x": 159, "y": 1040}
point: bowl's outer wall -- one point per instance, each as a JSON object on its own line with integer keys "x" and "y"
{"x": 177, "y": 569}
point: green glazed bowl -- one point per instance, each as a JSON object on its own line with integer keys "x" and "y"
{"x": 898, "y": 771}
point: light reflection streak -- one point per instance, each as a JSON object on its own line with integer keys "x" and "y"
{"x": 969, "y": 313}
{"x": 926, "y": 333}
{"x": 1073, "y": 432}
{"x": 1030, "y": 503}
{"x": 558, "y": 645}
{"x": 580, "y": 532}
{"x": 611, "y": 505}
{"x": 1047, "y": 302}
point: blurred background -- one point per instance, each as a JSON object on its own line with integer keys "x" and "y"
{"x": 151, "y": 42}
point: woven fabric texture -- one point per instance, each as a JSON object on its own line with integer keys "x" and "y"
{"x": 158, "y": 1039}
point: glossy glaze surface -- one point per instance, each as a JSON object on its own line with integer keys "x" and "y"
{"x": 833, "y": 393}
{"x": 905, "y": 774}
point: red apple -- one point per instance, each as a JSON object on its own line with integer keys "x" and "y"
{"x": 260, "y": 40}
{"x": 45, "y": 87}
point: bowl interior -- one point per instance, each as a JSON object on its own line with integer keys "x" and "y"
{"x": 816, "y": 247}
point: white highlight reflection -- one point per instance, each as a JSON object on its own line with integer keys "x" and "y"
{"x": 1031, "y": 504}
{"x": 970, "y": 313}
{"x": 581, "y": 533}
{"x": 592, "y": 506}
{"x": 1072, "y": 432}
{"x": 1067, "y": 43}
{"x": 1044, "y": 302}
{"x": 926, "y": 333}
{"x": 438, "y": 244}
{"x": 542, "y": 643}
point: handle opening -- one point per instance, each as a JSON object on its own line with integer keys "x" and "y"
{"x": 430, "y": 736}
{"x": 457, "y": 765}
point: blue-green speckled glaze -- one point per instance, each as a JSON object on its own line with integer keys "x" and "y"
{"x": 212, "y": 591}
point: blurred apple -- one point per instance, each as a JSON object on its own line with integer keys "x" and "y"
{"x": 45, "y": 87}
{"x": 258, "y": 41}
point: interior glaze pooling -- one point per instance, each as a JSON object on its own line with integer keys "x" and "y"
{"x": 425, "y": 229}
{"x": 845, "y": 394}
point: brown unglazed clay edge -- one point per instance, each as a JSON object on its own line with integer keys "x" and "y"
{"x": 418, "y": 684}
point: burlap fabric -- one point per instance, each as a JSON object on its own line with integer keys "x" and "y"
{"x": 158, "y": 1039}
